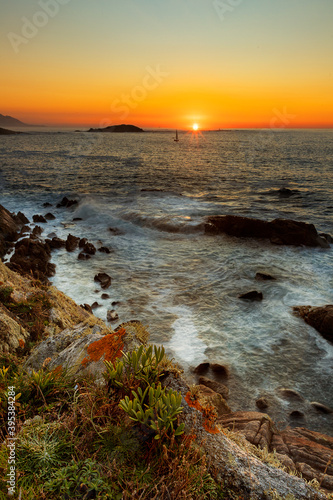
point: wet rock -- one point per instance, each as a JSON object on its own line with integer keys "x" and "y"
{"x": 297, "y": 415}
{"x": 262, "y": 403}
{"x": 290, "y": 394}
{"x": 116, "y": 303}
{"x": 219, "y": 370}
{"x": 112, "y": 315}
{"x": 32, "y": 256}
{"x": 8, "y": 230}
{"x": 87, "y": 307}
{"x": 95, "y": 305}
{"x": 264, "y": 277}
{"x": 320, "y": 318}
{"x": 72, "y": 243}
{"x": 37, "y": 231}
{"x": 286, "y": 192}
{"x": 83, "y": 256}
{"x": 321, "y": 408}
{"x": 20, "y": 218}
{"x": 47, "y": 205}
{"x": 105, "y": 296}
{"x": 104, "y": 250}
{"x": 49, "y": 216}
{"x": 215, "y": 386}
{"x": 55, "y": 243}
{"x": 104, "y": 279}
{"x": 66, "y": 203}
{"x": 39, "y": 218}
{"x": 89, "y": 249}
{"x": 202, "y": 368}
{"x": 77, "y": 219}
{"x": 82, "y": 242}
{"x": 25, "y": 230}
{"x": 253, "y": 295}
{"x": 327, "y": 237}
{"x": 278, "y": 231}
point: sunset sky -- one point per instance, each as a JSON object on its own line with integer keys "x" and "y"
{"x": 168, "y": 63}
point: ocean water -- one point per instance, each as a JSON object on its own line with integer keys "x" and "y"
{"x": 171, "y": 276}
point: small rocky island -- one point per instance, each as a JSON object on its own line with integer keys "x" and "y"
{"x": 117, "y": 128}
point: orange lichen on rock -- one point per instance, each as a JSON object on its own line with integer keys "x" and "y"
{"x": 110, "y": 346}
{"x": 22, "y": 343}
{"x": 208, "y": 413}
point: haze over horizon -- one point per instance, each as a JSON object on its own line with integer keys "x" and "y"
{"x": 217, "y": 63}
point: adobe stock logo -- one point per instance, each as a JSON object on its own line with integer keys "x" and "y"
{"x": 30, "y": 28}
{"x": 152, "y": 79}
{"x": 224, "y": 7}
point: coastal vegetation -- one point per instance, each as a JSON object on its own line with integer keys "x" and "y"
{"x": 82, "y": 440}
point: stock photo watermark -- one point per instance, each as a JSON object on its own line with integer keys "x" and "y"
{"x": 225, "y": 7}
{"x": 30, "y": 27}
{"x": 281, "y": 119}
{"x": 127, "y": 102}
{"x": 11, "y": 445}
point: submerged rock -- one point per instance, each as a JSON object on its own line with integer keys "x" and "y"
{"x": 290, "y": 394}
{"x": 264, "y": 277}
{"x": 253, "y": 295}
{"x": 104, "y": 250}
{"x": 321, "y": 408}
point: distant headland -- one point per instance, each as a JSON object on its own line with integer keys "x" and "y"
{"x": 117, "y": 128}
{"x": 9, "y": 121}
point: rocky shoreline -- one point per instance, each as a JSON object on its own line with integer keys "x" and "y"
{"x": 72, "y": 329}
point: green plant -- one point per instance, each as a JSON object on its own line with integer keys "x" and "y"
{"x": 155, "y": 408}
{"x": 78, "y": 479}
{"x": 141, "y": 365}
{"x": 40, "y": 449}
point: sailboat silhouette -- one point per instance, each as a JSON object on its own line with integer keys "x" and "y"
{"x": 176, "y": 139}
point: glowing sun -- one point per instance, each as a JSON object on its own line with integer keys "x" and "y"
{"x": 195, "y": 126}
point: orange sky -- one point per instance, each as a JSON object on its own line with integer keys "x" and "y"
{"x": 168, "y": 64}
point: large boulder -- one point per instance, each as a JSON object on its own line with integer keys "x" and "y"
{"x": 32, "y": 256}
{"x": 278, "y": 231}
{"x": 320, "y": 318}
{"x": 83, "y": 348}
